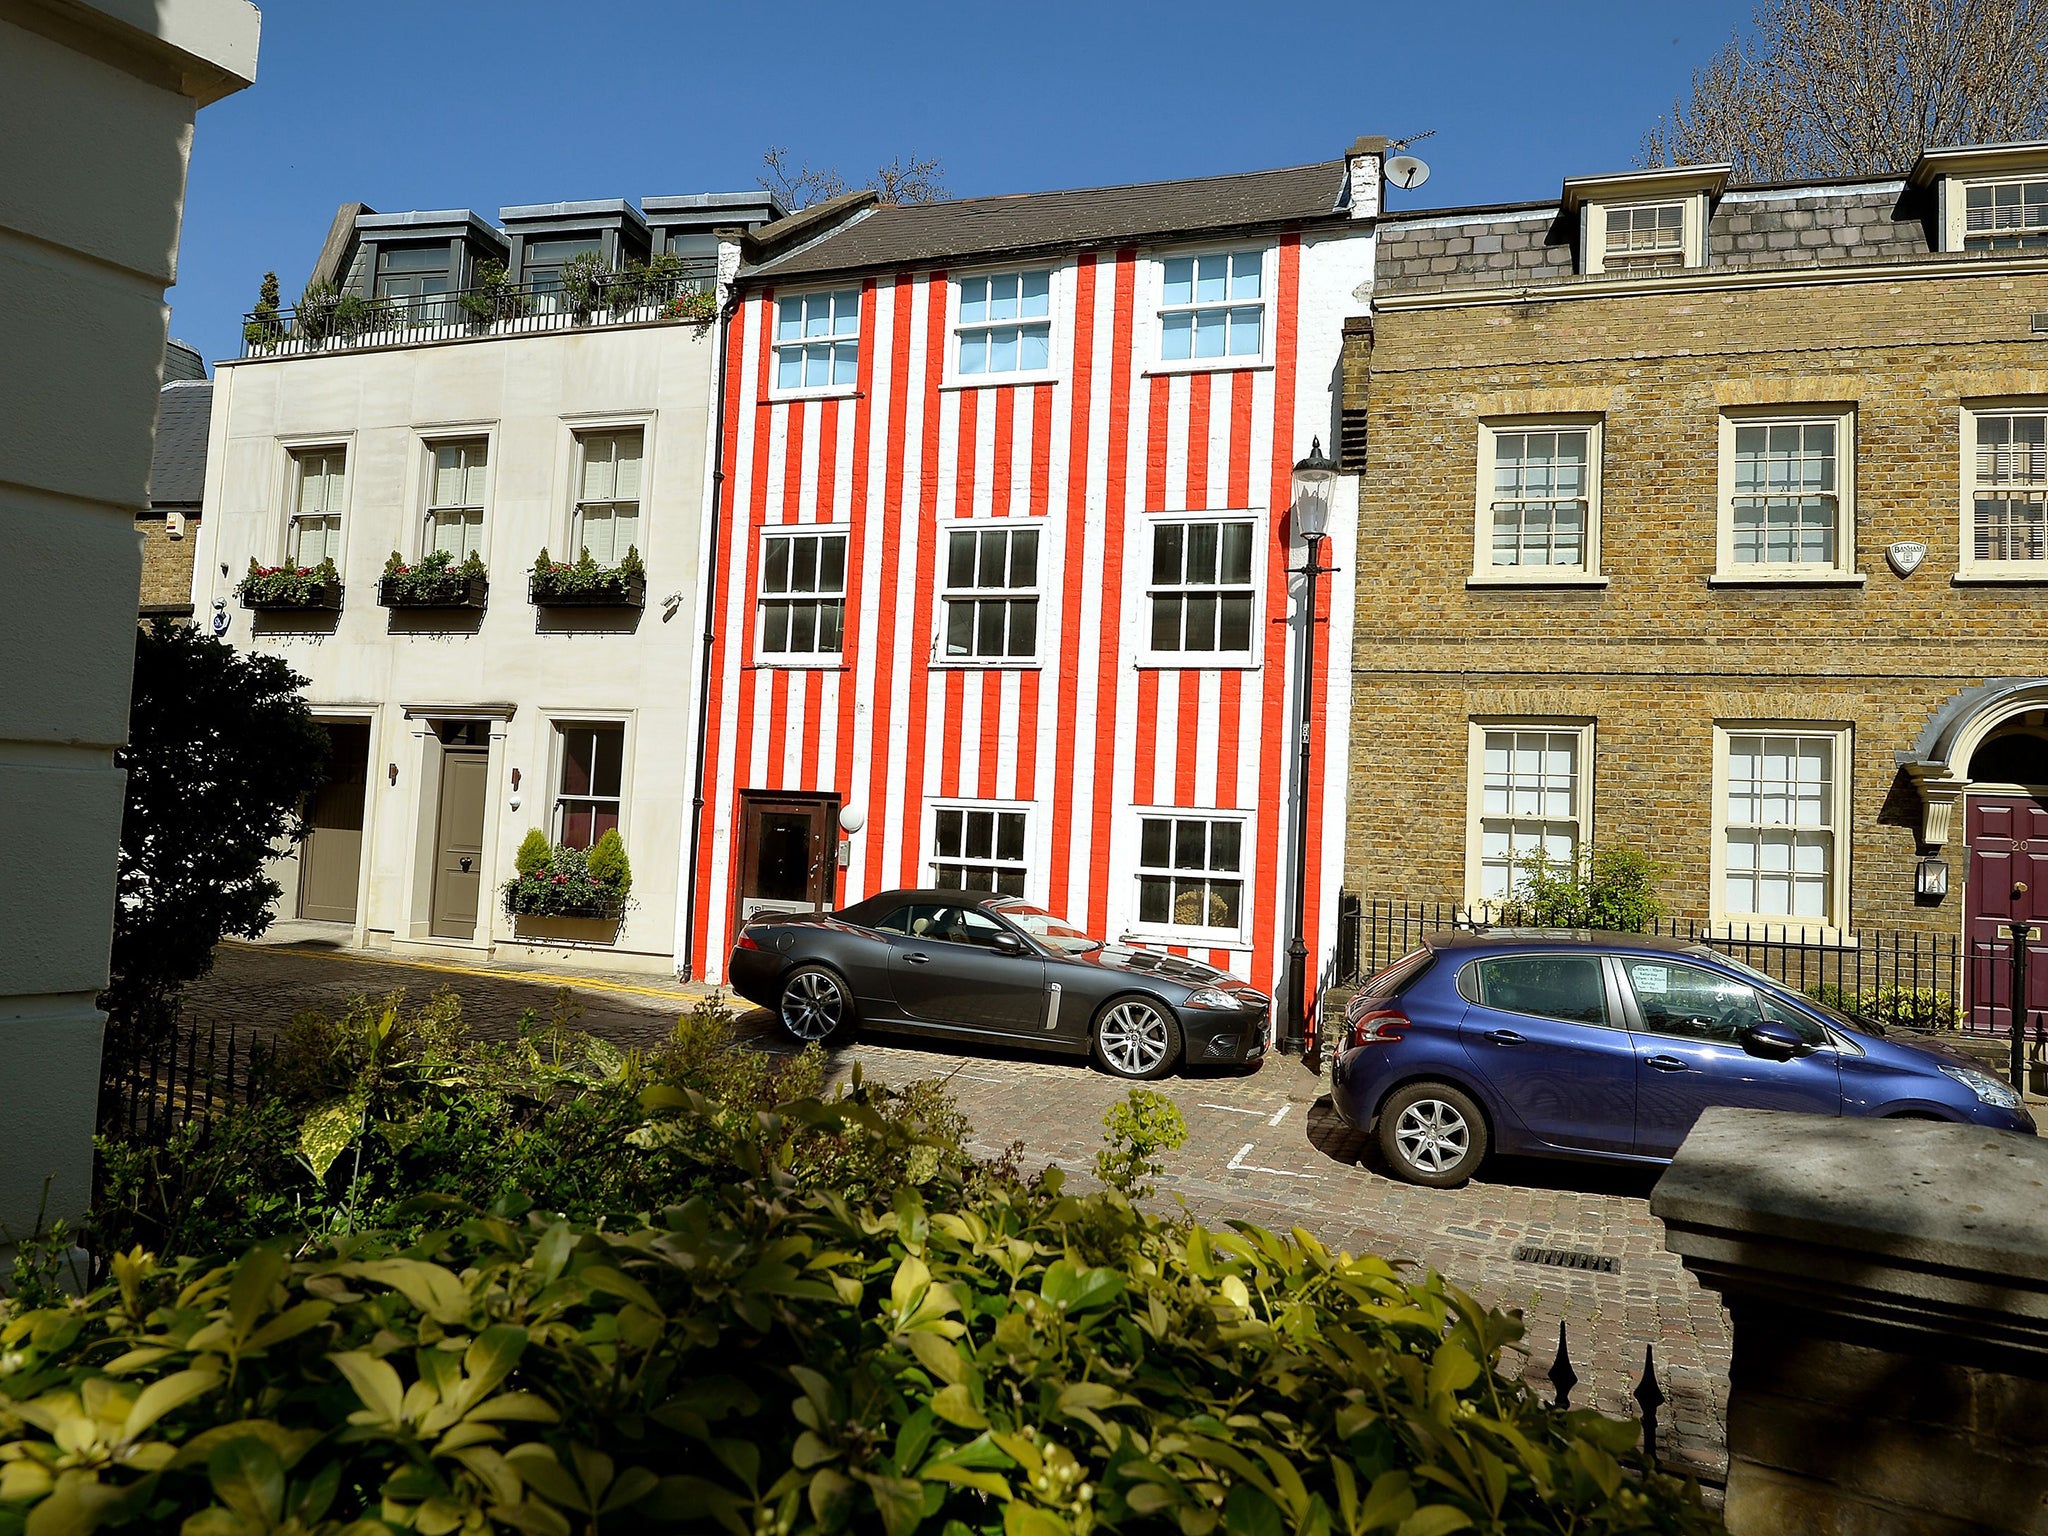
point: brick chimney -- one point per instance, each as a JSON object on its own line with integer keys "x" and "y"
{"x": 1363, "y": 164}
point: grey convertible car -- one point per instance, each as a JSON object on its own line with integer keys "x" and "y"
{"x": 973, "y": 966}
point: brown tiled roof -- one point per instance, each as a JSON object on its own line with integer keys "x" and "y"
{"x": 913, "y": 234}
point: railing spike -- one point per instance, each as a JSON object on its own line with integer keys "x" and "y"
{"x": 1650, "y": 1397}
{"x": 1562, "y": 1377}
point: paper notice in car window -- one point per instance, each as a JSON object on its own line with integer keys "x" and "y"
{"x": 1652, "y": 979}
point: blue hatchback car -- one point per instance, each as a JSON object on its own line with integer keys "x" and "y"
{"x": 1607, "y": 1046}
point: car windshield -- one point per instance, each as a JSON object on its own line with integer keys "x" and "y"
{"x": 1829, "y": 1011}
{"x": 1053, "y": 932}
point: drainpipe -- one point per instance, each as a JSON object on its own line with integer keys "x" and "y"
{"x": 685, "y": 962}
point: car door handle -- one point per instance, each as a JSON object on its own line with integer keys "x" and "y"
{"x": 1505, "y": 1037}
{"x": 917, "y": 959}
{"x": 1668, "y": 1064}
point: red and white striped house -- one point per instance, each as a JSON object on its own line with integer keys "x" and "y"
{"x": 1005, "y": 589}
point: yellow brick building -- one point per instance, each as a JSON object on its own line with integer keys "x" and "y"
{"x": 1709, "y": 520}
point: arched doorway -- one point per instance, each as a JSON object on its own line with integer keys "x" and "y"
{"x": 1987, "y": 750}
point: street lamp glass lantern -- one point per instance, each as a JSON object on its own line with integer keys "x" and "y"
{"x": 1313, "y": 477}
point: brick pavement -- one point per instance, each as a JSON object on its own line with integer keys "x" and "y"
{"x": 1263, "y": 1147}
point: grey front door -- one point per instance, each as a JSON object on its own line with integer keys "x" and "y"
{"x": 331, "y": 858}
{"x": 459, "y": 844}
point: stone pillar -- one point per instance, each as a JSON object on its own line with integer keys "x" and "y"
{"x": 96, "y": 106}
{"x": 1887, "y": 1281}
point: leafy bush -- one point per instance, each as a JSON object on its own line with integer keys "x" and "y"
{"x": 434, "y": 578}
{"x": 1611, "y": 887}
{"x": 609, "y": 865}
{"x": 586, "y": 578}
{"x": 289, "y": 586}
{"x": 699, "y": 306}
{"x": 495, "y": 296}
{"x": 263, "y": 328}
{"x": 1139, "y": 1128}
{"x": 1892, "y": 1006}
{"x": 586, "y": 282}
{"x": 939, "y": 1356}
{"x": 573, "y": 883}
{"x": 534, "y": 850}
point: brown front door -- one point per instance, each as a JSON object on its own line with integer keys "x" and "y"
{"x": 459, "y": 844}
{"x": 331, "y": 858}
{"x": 2008, "y": 842}
{"x": 787, "y": 854}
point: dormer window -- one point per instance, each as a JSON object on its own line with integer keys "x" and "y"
{"x": 2006, "y": 215}
{"x": 1989, "y": 197}
{"x": 1646, "y": 222}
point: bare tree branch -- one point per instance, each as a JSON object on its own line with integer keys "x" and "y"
{"x": 1861, "y": 87}
{"x": 907, "y": 179}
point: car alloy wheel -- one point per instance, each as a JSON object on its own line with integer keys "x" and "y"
{"x": 1135, "y": 1039}
{"x": 814, "y": 1005}
{"x": 1433, "y": 1134}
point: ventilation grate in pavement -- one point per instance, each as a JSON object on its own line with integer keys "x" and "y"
{"x": 1566, "y": 1258}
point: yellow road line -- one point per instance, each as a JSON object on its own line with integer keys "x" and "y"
{"x": 538, "y": 978}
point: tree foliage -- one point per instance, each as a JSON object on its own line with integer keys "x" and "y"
{"x": 221, "y": 752}
{"x": 1611, "y": 887}
{"x": 907, "y": 179}
{"x": 1861, "y": 87}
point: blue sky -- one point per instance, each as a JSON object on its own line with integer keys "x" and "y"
{"x": 458, "y": 103}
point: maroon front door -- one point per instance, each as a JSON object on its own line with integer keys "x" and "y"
{"x": 2008, "y": 842}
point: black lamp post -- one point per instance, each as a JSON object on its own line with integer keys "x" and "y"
{"x": 1313, "y": 478}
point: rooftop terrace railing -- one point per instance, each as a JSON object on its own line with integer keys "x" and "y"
{"x": 347, "y": 322}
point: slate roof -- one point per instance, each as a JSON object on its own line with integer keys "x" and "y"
{"x": 177, "y": 469}
{"x": 913, "y": 234}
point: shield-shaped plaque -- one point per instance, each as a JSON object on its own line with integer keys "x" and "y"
{"x": 1906, "y": 555}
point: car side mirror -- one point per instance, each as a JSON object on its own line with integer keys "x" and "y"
{"x": 1773, "y": 1042}
{"x": 1006, "y": 943}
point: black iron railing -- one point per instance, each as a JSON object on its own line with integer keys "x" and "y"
{"x": 152, "y": 1090}
{"x": 346, "y": 322}
{"x": 1911, "y": 979}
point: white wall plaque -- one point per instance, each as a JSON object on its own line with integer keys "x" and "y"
{"x": 1906, "y": 555}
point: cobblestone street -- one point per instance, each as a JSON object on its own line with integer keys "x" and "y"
{"x": 1263, "y": 1147}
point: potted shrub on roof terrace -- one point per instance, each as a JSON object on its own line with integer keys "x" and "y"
{"x": 584, "y": 583}
{"x": 274, "y": 588}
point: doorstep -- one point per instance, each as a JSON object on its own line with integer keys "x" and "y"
{"x": 643, "y": 975}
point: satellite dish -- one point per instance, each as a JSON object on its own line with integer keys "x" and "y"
{"x": 1406, "y": 172}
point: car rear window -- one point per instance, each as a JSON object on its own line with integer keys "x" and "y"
{"x": 1397, "y": 976}
{"x": 1567, "y": 987}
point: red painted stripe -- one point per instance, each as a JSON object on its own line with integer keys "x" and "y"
{"x": 1041, "y": 446}
{"x": 1004, "y": 472}
{"x": 857, "y": 505}
{"x": 964, "y": 456}
{"x": 1160, "y": 397}
{"x": 1027, "y": 736}
{"x": 1242, "y": 389}
{"x": 894, "y": 534}
{"x": 1146, "y": 754}
{"x": 1076, "y": 574}
{"x": 1199, "y": 386}
{"x": 1220, "y": 958}
{"x": 924, "y": 539}
{"x": 1110, "y": 577}
{"x": 990, "y": 685}
{"x": 723, "y": 677}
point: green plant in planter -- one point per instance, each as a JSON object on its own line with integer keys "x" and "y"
{"x": 287, "y": 586}
{"x": 263, "y": 328}
{"x": 586, "y": 282}
{"x": 533, "y": 852}
{"x": 494, "y": 297}
{"x": 573, "y": 882}
{"x": 609, "y": 865}
{"x": 699, "y": 307}
{"x": 313, "y": 320}
{"x": 584, "y": 576}
{"x": 437, "y": 577}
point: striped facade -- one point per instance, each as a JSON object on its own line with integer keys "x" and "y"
{"x": 1091, "y": 734}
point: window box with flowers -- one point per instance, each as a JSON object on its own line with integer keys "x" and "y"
{"x": 437, "y": 580}
{"x": 570, "y": 882}
{"x": 586, "y": 584}
{"x": 291, "y": 588}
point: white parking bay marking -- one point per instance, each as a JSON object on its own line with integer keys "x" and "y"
{"x": 1280, "y": 1114}
{"x": 1239, "y": 1165}
{"x": 1233, "y": 1109}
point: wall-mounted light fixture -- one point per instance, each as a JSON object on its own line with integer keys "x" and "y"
{"x": 392, "y": 772}
{"x": 1930, "y": 878}
{"x": 515, "y": 778}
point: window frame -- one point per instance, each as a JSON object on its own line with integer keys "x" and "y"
{"x": 1484, "y": 572}
{"x": 952, "y": 377}
{"x": 777, "y": 390}
{"x": 579, "y": 433}
{"x": 1956, "y": 210}
{"x": 799, "y": 660}
{"x": 1841, "y": 571}
{"x": 1968, "y": 567}
{"x": 295, "y": 453}
{"x": 1841, "y": 808}
{"x": 1181, "y": 933}
{"x": 431, "y": 444}
{"x": 1477, "y": 729}
{"x": 1593, "y": 235}
{"x": 1025, "y": 866}
{"x": 559, "y": 724}
{"x": 1203, "y": 661}
{"x": 944, "y": 594}
{"x": 1155, "y": 308}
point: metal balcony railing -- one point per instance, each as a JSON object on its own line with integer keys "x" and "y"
{"x": 349, "y": 322}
